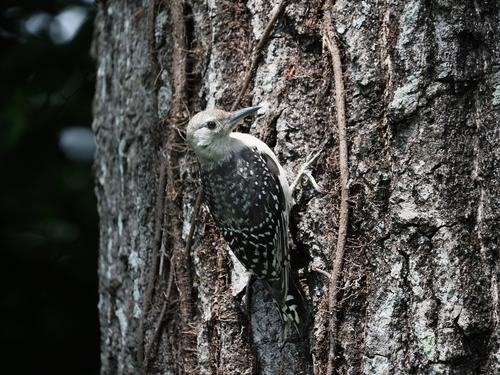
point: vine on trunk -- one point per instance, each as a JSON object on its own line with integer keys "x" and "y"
{"x": 330, "y": 38}
{"x": 166, "y": 193}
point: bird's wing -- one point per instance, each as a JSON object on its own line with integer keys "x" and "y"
{"x": 247, "y": 199}
{"x": 280, "y": 284}
{"x": 272, "y": 161}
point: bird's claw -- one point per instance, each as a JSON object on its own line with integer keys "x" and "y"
{"x": 303, "y": 171}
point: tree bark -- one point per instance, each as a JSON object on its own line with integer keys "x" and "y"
{"x": 419, "y": 286}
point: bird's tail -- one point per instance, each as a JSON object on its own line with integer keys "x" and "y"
{"x": 293, "y": 308}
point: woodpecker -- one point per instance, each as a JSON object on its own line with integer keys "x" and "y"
{"x": 249, "y": 197}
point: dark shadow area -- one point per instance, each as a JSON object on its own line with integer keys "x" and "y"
{"x": 48, "y": 221}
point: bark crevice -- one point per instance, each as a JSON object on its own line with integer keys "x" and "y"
{"x": 418, "y": 289}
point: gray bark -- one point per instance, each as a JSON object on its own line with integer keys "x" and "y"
{"x": 420, "y": 279}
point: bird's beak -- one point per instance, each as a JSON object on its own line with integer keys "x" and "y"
{"x": 237, "y": 117}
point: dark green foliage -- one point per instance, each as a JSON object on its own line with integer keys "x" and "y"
{"x": 48, "y": 221}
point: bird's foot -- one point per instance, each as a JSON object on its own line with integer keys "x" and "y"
{"x": 303, "y": 171}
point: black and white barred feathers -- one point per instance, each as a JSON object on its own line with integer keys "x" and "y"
{"x": 250, "y": 200}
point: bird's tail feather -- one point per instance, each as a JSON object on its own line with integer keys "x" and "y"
{"x": 293, "y": 308}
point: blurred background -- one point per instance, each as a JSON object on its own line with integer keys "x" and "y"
{"x": 48, "y": 221}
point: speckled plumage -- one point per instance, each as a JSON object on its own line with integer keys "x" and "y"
{"x": 250, "y": 200}
{"x": 248, "y": 204}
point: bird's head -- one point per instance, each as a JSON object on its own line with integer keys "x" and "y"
{"x": 208, "y": 132}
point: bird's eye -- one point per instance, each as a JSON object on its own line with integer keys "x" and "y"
{"x": 211, "y": 125}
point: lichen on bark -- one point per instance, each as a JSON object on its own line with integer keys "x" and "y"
{"x": 419, "y": 289}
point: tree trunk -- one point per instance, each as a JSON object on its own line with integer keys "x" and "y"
{"x": 419, "y": 286}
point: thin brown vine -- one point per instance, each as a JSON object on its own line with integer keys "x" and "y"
{"x": 258, "y": 49}
{"x": 330, "y": 38}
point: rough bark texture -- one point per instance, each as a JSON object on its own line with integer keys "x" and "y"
{"x": 420, "y": 279}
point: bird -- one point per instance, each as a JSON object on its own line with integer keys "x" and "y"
{"x": 249, "y": 198}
